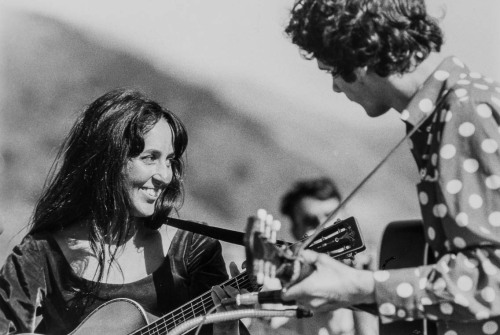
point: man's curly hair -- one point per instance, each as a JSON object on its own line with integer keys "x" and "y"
{"x": 387, "y": 36}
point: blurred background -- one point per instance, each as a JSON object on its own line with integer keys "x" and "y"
{"x": 259, "y": 116}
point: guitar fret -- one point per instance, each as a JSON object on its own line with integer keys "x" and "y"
{"x": 192, "y": 309}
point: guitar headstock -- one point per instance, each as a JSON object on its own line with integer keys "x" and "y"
{"x": 268, "y": 257}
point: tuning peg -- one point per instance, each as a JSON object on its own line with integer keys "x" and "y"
{"x": 261, "y": 216}
{"x": 268, "y": 226}
{"x": 275, "y": 227}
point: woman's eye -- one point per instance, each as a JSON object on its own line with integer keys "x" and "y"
{"x": 148, "y": 159}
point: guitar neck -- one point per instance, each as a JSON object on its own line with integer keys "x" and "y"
{"x": 196, "y": 307}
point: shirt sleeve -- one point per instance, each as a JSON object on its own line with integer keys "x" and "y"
{"x": 206, "y": 265}
{"x": 464, "y": 284}
{"x": 22, "y": 288}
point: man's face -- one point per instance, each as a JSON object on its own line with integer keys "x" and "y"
{"x": 310, "y": 213}
{"x": 365, "y": 90}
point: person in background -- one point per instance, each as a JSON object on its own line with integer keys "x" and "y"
{"x": 307, "y": 205}
{"x": 383, "y": 55}
{"x": 97, "y": 232}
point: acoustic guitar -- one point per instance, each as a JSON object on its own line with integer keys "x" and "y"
{"x": 125, "y": 316}
{"x": 403, "y": 245}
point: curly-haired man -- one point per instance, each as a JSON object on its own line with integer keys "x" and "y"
{"x": 384, "y": 54}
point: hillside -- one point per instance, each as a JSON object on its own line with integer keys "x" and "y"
{"x": 243, "y": 154}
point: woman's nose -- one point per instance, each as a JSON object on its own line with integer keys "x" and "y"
{"x": 163, "y": 174}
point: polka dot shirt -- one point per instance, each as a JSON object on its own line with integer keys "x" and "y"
{"x": 457, "y": 154}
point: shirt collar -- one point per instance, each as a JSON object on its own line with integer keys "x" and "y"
{"x": 433, "y": 89}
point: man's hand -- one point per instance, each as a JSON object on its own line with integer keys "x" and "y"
{"x": 331, "y": 285}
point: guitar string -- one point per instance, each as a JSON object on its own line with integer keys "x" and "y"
{"x": 203, "y": 300}
{"x": 193, "y": 308}
{"x": 354, "y": 192}
{"x": 193, "y": 311}
{"x": 168, "y": 325}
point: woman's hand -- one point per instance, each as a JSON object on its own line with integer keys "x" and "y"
{"x": 218, "y": 294}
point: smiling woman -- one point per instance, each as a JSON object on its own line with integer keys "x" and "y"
{"x": 98, "y": 232}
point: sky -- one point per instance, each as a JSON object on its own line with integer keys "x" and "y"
{"x": 204, "y": 41}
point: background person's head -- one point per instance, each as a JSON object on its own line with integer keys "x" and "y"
{"x": 308, "y": 203}
{"x": 88, "y": 181}
{"x": 385, "y": 36}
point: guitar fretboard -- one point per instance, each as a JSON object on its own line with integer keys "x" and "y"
{"x": 196, "y": 307}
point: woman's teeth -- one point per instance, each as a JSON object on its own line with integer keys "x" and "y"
{"x": 152, "y": 192}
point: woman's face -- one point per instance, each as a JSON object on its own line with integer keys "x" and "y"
{"x": 147, "y": 175}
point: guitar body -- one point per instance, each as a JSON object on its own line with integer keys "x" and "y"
{"x": 115, "y": 317}
{"x": 403, "y": 245}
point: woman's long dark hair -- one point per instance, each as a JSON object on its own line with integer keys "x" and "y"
{"x": 86, "y": 181}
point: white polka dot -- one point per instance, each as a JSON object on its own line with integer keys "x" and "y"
{"x": 449, "y": 115}
{"x": 436, "y": 254}
{"x": 465, "y": 283}
{"x": 426, "y": 105}
{"x": 404, "y": 290}
{"x": 492, "y": 182}
{"x": 432, "y": 317}
{"x": 461, "y": 300}
{"x": 450, "y": 332}
{"x": 463, "y": 82}
{"x": 484, "y": 230}
{"x": 475, "y": 75}
{"x": 448, "y": 151}
{"x": 426, "y": 301}
{"x": 381, "y": 276}
{"x": 458, "y": 62}
{"x": 466, "y": 129}
{"x": 494, "y": 219}
{"x": 496, "y": 100}
{"x": 387, "y": 309}
{"x": 489, "y": 145}
{"x": 489, "y": 268}
{"x": 471, "y": 165}
{"x": 441, "y": 75}
{"x": 497, "y": 89}
{"x": 490, "y": 327}
{"x": 483, "y": 314}
{"x": 434, "y": 159}
{"x": 481, "y": 86}
{"x": 439, "y": 210}
{"x": 431, "y": 233}
{"x": 424, "y": 199}
{"x": 497, "y": 252}
{"x": 446, "y": 308}
{"x": 483, "y": 110}
{"x": 454, "y": 186}
{"x": 461, "y": 92}
{"x": 405, "y": 115}
{"x": 488, "y": 80}
{"x": 459, "y": 242}
{"x": 462, "y": 219}
{"x": 475, "y": 201}
{"x": 488, "y": 294}
{"x": 401, "y": 313}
